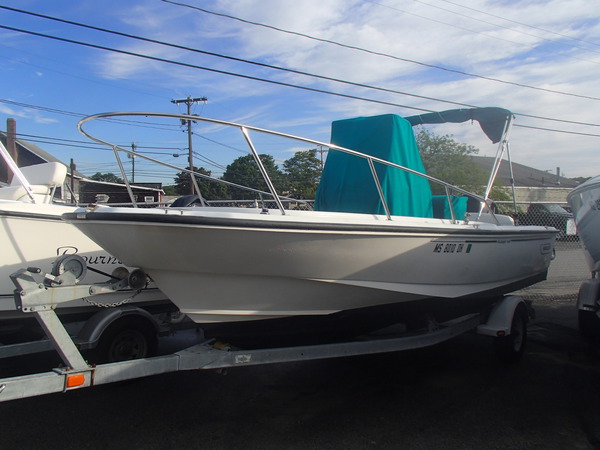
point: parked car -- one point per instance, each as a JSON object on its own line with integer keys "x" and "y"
{"x": 550, "y": 215}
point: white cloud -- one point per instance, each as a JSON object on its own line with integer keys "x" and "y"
{"x": 557, "y": 51}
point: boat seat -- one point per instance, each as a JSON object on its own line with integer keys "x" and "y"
{"x": 43, "y": 179}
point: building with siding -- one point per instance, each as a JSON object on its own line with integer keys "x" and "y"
{"x": 531, "y": 185}
{"x": 77, "y": 188}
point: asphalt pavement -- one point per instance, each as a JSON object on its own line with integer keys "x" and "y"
{"x": 452, "y": 396}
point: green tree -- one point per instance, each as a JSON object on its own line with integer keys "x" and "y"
{"x": 452, "y": 162}
{"x": 303, "y": 172}
{"x": 244, "y": 171}
{"x": 107, "y": 177}
{"x": 211, "y": 190}
{"x": 580, "y": 179}
{"x": 170, "y": 190}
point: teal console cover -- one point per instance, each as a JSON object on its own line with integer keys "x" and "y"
{"x": 347, "y": 183}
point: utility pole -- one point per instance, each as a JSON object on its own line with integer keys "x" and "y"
{"x": 72, "y": 167}
{"x": 133, "y": 162}
{"x": 11, "y": 144}
{"x": 321, "y": 151}
{"x": 189, "y": 102}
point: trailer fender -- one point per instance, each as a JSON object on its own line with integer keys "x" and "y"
{"x": 587, "y": 298}
{"x": 93, "y": 328}
{"x": 499, "y": 320}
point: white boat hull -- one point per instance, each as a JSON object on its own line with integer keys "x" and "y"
{"x": 585, "y": 202}
{"x": 221, "y": 265}
{"x": 34, "y": 235}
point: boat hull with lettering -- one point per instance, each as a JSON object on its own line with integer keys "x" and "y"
{"x": 379, "y": 245}
{"x": 224, "y": 265}
{"x": 33, "y": 234}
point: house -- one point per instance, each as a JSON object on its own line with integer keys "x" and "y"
{"x": 531, "y": 185}
{"x": 77, "y": 188}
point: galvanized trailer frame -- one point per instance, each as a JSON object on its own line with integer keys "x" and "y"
{"x": 40, "y": 299}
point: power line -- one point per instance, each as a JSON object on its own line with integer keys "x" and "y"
{"x": 557, "y": 131}
{"x": 137, "y": 123}
{"x": 222, "y": 145}
{"x": 181, "y": 47}
{"x": 519, "y": 23}
{"x": 87, "y": 144}
{"x": 372, "y": 52}
{"x": 69, "y": 74}
{"x": 254, "y": 63}
{"x": 241, "y": 76}
{"x": 209, "y": 161}
{"x": 502, "y": 26}
{"x": 208, "y": 69}
{"x": 25, "y": 105}
{"x": 231, "y": 58}
{"x": 474, "y": 32}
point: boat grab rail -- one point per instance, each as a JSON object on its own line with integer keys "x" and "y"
{"x": 449, "y": 188}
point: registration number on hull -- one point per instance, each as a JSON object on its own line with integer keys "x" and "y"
{"x": 452, "y": 247}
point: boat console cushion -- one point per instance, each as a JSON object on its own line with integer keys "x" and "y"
{"x": 347, "y": 184}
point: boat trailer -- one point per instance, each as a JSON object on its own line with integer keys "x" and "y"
{"x": 507, "y": 322}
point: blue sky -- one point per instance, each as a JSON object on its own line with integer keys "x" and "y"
{"x": 544, "y": 57}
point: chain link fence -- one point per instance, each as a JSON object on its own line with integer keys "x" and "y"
{"x": 569, "y": 269}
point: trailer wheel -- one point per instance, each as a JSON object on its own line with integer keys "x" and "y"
{"x": 511, "y": 348}
{"x": 126, "y": 339}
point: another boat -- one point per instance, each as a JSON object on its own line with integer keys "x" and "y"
{"x": 382, "y": 254}
{"x": 585, "y": 204}
{"x": 34, "y": 235}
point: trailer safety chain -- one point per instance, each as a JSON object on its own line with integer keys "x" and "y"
{"x": 111, "y": 305}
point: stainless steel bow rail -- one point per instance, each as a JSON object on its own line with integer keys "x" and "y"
{"x": 40, "y": 298}
{"x": 485, "y": 201}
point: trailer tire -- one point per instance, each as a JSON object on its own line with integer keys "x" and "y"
{"x": 126, "y": 339}
{"x": 510, "y": 348}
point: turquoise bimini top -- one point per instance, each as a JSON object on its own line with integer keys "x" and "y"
{"x": 347, "y": 184}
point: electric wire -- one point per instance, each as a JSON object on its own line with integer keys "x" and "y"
{"x": 251, "y": 62}
{"x": 372, "y": 52}
{"x": 505, "y": 27}
{"x": 479, "y": 32}
{"x": 518, "y": 23}
{"x": 228, "y": 57}
{"x": 209, "y": 69}
{"x": 166, "y": 126}
{"x": 245, "y": 76}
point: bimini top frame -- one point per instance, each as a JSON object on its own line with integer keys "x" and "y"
{"x": 245, "y": 130}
